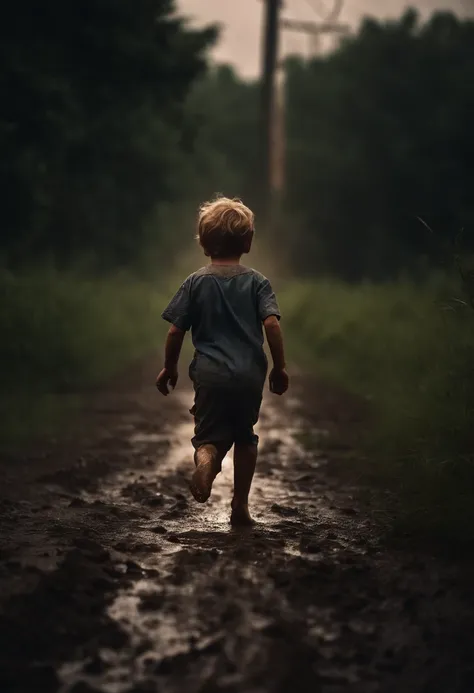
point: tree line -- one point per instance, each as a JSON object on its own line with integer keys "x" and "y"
{"x": 113, "y": 117}
{"x": 92, "y": 123}
{"x": 379, "y": 148}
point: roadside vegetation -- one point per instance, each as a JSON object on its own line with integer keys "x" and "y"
{"x": 408, "y": 348}
{"x": 63, "y": 333}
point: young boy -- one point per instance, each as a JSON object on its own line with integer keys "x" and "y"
{"x": 225, "y": 305}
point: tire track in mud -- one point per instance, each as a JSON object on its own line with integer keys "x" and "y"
{"x": 145, "y": 590}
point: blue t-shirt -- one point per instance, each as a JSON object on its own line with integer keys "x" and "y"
{"x": 224, "y": 306}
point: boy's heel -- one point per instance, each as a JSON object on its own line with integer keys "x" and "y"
{"x": 201, "y": 481}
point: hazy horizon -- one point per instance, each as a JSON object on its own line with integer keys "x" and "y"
{"x": 239, "y": 43}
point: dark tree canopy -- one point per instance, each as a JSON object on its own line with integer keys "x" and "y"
{"x": 91, "y": 121}
{"x": 110, "y": 120}
{"x": 380, "y": 134}
{"x": 224, "y": 110}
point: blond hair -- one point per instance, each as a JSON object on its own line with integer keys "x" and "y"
{"x": 225, "y": 227}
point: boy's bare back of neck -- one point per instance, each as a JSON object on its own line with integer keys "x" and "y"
{"x": 226, "y": 260}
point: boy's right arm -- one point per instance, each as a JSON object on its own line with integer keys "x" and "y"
{"x": 279, "y": 380}
{"x": 178, "y": 313}
{"x": 169, "y": 374}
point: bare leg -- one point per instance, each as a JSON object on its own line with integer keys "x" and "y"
{"x": 208, "y": 460}
{"x": 245, "y": 459}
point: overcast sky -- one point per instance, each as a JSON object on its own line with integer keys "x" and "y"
{"x": 241, "y": 22}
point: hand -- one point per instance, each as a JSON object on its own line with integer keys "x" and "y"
{"x": 167, "y": 377}
{"x": 279, "y": 381}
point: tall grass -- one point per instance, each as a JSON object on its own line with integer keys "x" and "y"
{"x": 63, "y": 332}
{"x": 409, "y": 348}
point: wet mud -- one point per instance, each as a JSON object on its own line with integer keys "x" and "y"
{"x": 113, "y": 579}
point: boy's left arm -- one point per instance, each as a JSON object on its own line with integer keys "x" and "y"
{"x": 270, "y": 317}
{"x": 169, "y": 375}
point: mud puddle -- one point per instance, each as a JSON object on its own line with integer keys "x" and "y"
{"x": 116, "y": 581}
{"x": 191, "y": 545}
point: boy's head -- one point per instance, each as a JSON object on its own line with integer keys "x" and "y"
{"x": 225, "y": 228}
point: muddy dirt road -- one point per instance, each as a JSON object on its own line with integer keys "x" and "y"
{"x": 113, "y": 579}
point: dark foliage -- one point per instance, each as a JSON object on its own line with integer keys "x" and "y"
{"x": 224, "y": 110}
{"x": 380, "y": 135}
{"x": 91, "y": 122}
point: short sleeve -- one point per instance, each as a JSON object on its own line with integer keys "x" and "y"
{"x": 267, "y": 302}
{"x": 178, "y": 311}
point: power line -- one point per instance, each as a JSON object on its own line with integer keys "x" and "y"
{"x": 321, "y": 9}
{"x": 329, "y": 23}
{"x": 315, "y": 28}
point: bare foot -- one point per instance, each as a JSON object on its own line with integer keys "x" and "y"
{"x": 202, "y": 480}
{"x": 240, "y": 517}
{"x": 207, "y": 464}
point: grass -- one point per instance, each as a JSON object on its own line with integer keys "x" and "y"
{"x": 409, "y": 349}
{"x": 63, "y": 333}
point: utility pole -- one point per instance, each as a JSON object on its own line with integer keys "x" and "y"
{"x": 315, "y": 30}
{"x": 272, "y": 97}
{"x": 267, "y": 130}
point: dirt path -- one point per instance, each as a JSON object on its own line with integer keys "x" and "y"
{"x": 112, "y": 579}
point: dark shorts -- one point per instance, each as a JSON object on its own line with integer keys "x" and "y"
{"x": 225, "y": 415}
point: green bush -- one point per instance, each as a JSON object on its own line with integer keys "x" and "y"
{"x": 63, "y": 332}
{"x": 409, "y": 348}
